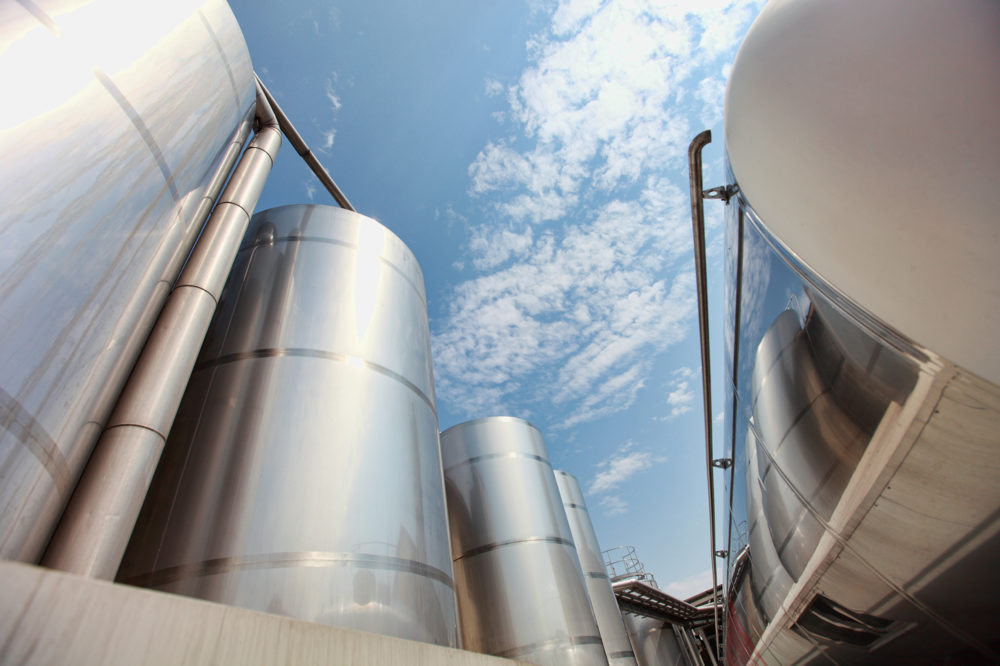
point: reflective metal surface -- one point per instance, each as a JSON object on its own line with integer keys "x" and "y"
{"x": 602, "y": 598}
{"x": 654, "y": 642}
{"x": 95, "y": 528}
{"x": 302, "y": 475}
{"x": 109, "y": 146}
{"x": 521, "y": 592}
{"x": 864, "y": 481}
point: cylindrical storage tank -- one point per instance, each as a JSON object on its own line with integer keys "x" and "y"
{"x": 602, "y": 598}
{"x": 109, "y": 138}
{"x": 654, "y": 642}
{"x": 520, "y": 588}
{"x": 805, "y": 433}
{"x": 303, "y": 476}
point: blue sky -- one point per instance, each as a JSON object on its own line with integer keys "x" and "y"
{"x": 532, "y": 154}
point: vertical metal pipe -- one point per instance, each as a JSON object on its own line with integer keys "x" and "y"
{"x": 95, "y": 529}
{"x": 698, "y": 224}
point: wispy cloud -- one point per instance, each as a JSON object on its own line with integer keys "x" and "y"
{"x": 328, "y": 135}
{"x": 612, "y": 505}
{"x": 493, "y": 87}
{"x": 583, "y": 306}
{"x": 490, "y": 247}
{"x": 690, "y": 586}
{"x": 621, "y": 466}
{"x": 681, "y": 395}
{"x": 579, "y": 278}
{"x": 332, "y": 96}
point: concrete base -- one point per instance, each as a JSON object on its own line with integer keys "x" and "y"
{"x": 51, "y": 617}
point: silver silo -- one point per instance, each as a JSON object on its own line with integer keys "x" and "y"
{"x": 303, "y": 475}
{"x": 115, "y": 124}
{"x": 602, "y": 597}
{"x": 654, "y": 642}
{"x": 520, "y": 588}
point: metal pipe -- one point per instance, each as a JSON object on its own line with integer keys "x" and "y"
{"x": 303, "y": 150}
{"x": 698, "y": 224}
{"x": 95, "y": 529}
{"x": 683, "y": 635}
{"x": 708, "y": 647}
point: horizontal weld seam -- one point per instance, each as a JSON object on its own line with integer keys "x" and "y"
{"x": 489, "y": 547}
{"x": 287, "y": 560}
{"x": 301, "y": 352}
{"x": 558, "y": 642}
{"x": 341, "y": 243}
{"x": 493, "y": 456}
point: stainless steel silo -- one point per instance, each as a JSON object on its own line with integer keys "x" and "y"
{"x": 520, "y": 588}
{"x": 115, "y": 124}
{"x": 303, "y": 475}
{"x": 654, "y": 642}
{"x": 602, "y": 597}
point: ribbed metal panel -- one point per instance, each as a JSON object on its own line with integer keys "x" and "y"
{"x": 520, "y": 588}
{"x": 303, "y": 475}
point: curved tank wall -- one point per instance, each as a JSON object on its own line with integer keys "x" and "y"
{"x": 109, "y": 139}
{"x": 881, "y": 118}
{"x": 847, "y": 439}
{"x": 654, "y": 642}
{"x": 602, "y": 598}
{"x": 520, "y": 588}
{"x": 303, "y": 475}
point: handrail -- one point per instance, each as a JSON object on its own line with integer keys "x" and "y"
{"x": 300, "y": 146}
{"x": 698, "y": 224}
{"x": 642, "y": 599}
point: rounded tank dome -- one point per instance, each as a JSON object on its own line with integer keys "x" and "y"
{"x": 866, "y": 135}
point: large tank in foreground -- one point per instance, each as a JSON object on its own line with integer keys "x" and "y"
{"x": 520, "y": 588}
{"x": 110, "y": 138}
{"x": 862, "y": 309}
{"x": 602, "y": 598}
{"x": 302, "y": 475}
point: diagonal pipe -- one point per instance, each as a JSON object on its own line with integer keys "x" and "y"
{"x": 95, "y": 529}
{"x": 300, "y": 146}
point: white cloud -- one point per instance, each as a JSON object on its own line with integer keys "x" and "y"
{"x": 310, "y": 190}
{"x": 712, "y": 92}
{"x": 493, "y": 87}
{"x": 332, "y": 96}
{"x": 612, "y": 505}
{"x": 680, "y": 399}
{"x": 584, "y": 307}
{"x": 580, "y": 280}
{"x": 602, "y": 92}
{"x": 328, "y": 135}
{"x": 328, "y": 139}
{"x": 490, "y": 247}
{"x": 690, "y": 586}
{"x": 621, "y": 466}
{"x": 682, "y": 394}
{"x": 616, "y": 394}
